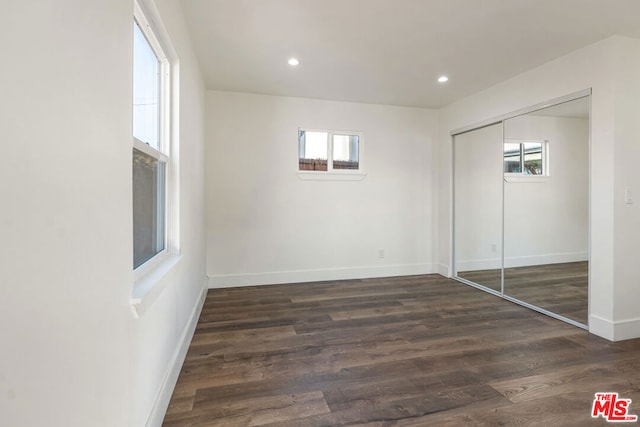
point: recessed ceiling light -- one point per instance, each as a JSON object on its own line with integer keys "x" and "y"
{"x": 443, "y": 79}
{"x": 293, "y": 62}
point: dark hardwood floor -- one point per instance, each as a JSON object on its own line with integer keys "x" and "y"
{"x": 560, "y": 288}
{"x": 409, "y": 351}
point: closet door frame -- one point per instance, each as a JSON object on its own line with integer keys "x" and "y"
{"x": 490, "y": 122}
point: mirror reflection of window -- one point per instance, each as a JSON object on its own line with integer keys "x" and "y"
{"x": 532, "y": 153}
{"x": 524, "y": 158}
{"x": 512, "y": 160}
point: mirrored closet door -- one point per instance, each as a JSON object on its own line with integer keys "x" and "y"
{"x": 478, "y": 206}
{"x": 521, "y": 217}
{"x": 546, "y": 208}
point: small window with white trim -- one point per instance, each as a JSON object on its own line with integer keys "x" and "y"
{"x": 329, "y": 151}
{"x": 525, "y": 158}
{"x": 151, "y": 145}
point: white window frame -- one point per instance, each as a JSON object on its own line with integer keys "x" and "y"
{"x": 331, "y": 173}
{"x": 521, "y": 176}
{"x": 148, "y": 275}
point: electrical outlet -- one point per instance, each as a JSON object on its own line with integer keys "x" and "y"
{"x": 380, "y": 253}
{"x": 494, "y": 247}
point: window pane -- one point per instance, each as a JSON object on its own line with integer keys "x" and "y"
{"x": 532, "y": 158}
{"x": 148, "y": 207}
{"x": 146, "y": 90}
{"x": 345, "y": 151}
{"x": 312, "y": 150}
{"x": 512, "y": 163}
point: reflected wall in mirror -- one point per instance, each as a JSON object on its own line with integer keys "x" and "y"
{"x": 546, "y": 208}
{"x": 478, "y": 206}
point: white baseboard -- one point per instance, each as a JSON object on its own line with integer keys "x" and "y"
{"x": 601, "y": 327}
{"x": 443, "y": 270}
{"x": 479, "y": 264}
{"x": 522, "y": 261}
{"x": 614, "y": 331}
{"x": 626, "y": 329}
{"x": 171, "y": 377}
{"x": 301, "y": 276}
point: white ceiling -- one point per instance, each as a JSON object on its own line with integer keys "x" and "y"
{"x": 391, "y": 51}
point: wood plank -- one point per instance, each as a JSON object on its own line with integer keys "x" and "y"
{"x": 414, "y": 351}
{"x": 561, "y": 288}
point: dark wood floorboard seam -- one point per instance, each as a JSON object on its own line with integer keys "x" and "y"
{"x": 400, "y": 351}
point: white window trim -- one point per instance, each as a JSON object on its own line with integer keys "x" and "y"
{"x": 334, "y": 174}
{"x": 524, "y": 178}
{"x": 148, "y": 277}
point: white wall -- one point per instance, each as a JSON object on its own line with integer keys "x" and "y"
{"x": 608, "y": 68}
{"x": 547, "y": 221}
{"x": 266, "y": 225}
{"x": 627, "y": 218}
{"x": 72, "y": 352}
{"x": 65, "y": 260}
{"x": 478, "y": 194}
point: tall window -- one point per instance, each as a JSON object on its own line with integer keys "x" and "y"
{"x": 150, "y": 143}
{"x": 321, "y": 150}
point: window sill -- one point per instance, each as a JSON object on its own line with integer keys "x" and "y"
{"x": 332, "y": 175}
{"x": 149, "y": 286}
{"x": 535, "y": 179}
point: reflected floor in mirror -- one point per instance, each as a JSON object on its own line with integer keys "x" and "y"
{"x": 491, "y": 279}
{"x": 559, "y": 288}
